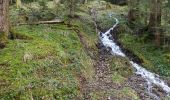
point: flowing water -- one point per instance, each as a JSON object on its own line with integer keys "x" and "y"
{"x": 151, "y": 78}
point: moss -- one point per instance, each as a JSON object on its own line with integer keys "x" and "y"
{"x": 117, "y": 78}
{"x": 17, "y": 35}
{"x": 121, "y": 67}
{"x": 3, "y": 39}
{"x": 126, "y": 93}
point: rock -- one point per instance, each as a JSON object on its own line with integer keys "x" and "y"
{"x": 27, "y": 56}
{"x": 158, "y": 91}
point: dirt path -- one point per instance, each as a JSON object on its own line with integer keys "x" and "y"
{"x": 103, "y": 76}
{"x": 102, "y": 80}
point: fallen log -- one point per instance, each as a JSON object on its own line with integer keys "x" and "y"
{"x": 56, "y": 21}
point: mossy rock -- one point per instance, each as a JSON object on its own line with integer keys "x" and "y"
{"x": 17, "y": 35}
{"x": 122, "y": 67}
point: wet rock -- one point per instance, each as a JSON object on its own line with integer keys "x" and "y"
{"x": 158, "y": 91}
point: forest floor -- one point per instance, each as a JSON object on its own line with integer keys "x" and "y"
{"x": 68, "y": 62}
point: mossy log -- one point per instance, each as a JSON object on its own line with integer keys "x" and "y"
{"x": 57, "y": 21}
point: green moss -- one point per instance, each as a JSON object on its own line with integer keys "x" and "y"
{"x": 117, "y": 78}
{"x": 17, "y": 35}
{"x": 121, "y": 67}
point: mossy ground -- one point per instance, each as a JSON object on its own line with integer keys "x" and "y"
{"x": 46, "y": 66}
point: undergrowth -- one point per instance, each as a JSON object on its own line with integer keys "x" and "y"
{"x": 155, "y": 59}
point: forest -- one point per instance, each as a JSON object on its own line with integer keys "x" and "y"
{"x": 84, "y": 49}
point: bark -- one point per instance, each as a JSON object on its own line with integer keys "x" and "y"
{"x": 4, "y": 26}
{"x": 154, "y": 26}
{"x": 72, "y": 8}
{"x": 132, "y": 14}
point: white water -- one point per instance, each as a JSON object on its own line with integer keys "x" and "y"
{"x": 151, "y": 78}
{"x": 110, "y": 43}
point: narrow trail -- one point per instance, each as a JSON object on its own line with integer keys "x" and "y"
{"x": 103, "y": 76}
{"x": 102, "y": 82}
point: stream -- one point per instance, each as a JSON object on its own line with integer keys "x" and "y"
{"x": 152, "y": 79}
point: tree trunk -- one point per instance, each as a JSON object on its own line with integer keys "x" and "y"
{"x": 72, "y": 8}
{"x": 155, "y": 20}
{"x": 4, "y": 26}
{"x": 18, "y": 3}
{"x": 132, "y": 14}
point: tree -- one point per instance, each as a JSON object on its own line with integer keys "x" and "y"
{"x": 154, "y": 25}
{"x": 71, "y": 6}
{"x": 4, "y": 26}
{"x": 133, "y": 11}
